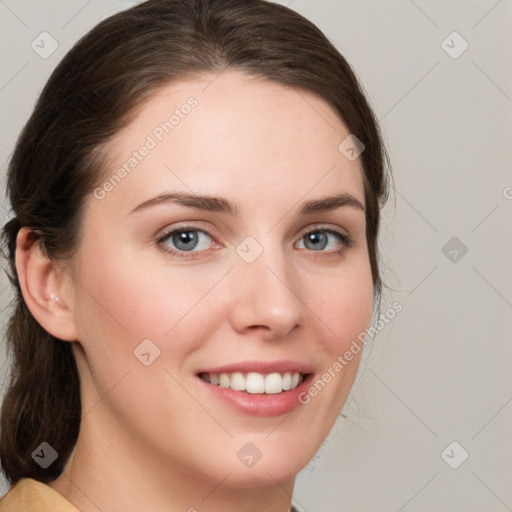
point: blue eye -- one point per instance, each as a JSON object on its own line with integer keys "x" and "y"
{"x": 186, "y": 240}
{"x": 190, "y": 242}
{"x": 325, "y": 240}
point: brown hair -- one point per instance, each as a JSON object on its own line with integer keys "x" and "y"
{"x": 57, "y": 162}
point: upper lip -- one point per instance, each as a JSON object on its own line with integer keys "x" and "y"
{"x": 261, "y": 367}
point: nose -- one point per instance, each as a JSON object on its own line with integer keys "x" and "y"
{"x": 266, "y": 297}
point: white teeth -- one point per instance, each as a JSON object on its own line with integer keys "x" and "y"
{"x": 224, "y": 380}
{"x": 287, "y": 381}
{"x": 273, "y": 384}
{"x": 237, "y": 382}
{"x": 255, "y": 383}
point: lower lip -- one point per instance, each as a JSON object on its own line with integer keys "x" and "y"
{"x": 261, "y": 405}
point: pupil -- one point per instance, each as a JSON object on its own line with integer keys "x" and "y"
{"x": 318, "y": 240}
{"x": 186, "y": 240}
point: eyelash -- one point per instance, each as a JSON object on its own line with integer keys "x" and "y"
{"x": 345, "y": 239}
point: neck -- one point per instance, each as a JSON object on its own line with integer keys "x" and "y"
{"x": 112, "y": 474}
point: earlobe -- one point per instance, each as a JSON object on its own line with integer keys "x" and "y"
{"x": 43, "y": 285}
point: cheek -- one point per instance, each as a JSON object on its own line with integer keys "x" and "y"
{"x": 132, "y": 299}
{"x": 344, "y": 306}
{"x": 130, "y": 295}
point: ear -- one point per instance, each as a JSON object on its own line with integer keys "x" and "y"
{"x": 45, "y": 286}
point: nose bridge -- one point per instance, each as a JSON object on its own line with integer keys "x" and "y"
{"x": 268, "y": 291}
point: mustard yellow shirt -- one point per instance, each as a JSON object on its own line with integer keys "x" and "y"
{"x": 29, "y": 495}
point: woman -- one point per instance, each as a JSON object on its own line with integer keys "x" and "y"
{"x": 194, "y": 246}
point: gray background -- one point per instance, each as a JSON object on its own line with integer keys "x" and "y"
{"x": 441, "y": 371}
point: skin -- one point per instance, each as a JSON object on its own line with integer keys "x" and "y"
{"x": 151, "y": 437}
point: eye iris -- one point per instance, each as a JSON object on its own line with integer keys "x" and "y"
{"x": 185, "y": 240}
{"x": 318, "y": 239}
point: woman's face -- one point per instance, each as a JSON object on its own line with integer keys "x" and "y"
{"x": 261, "y": 281}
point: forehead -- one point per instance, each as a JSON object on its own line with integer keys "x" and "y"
{"x": 235, "y": 136}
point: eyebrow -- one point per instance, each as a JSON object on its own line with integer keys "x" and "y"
{"x": 221, "y": 205}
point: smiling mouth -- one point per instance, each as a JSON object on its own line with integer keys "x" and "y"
{"x": 254, "y": 382}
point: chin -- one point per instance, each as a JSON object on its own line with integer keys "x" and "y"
{"x": 264, "y": 475}
{"x": 268, "y": 464}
